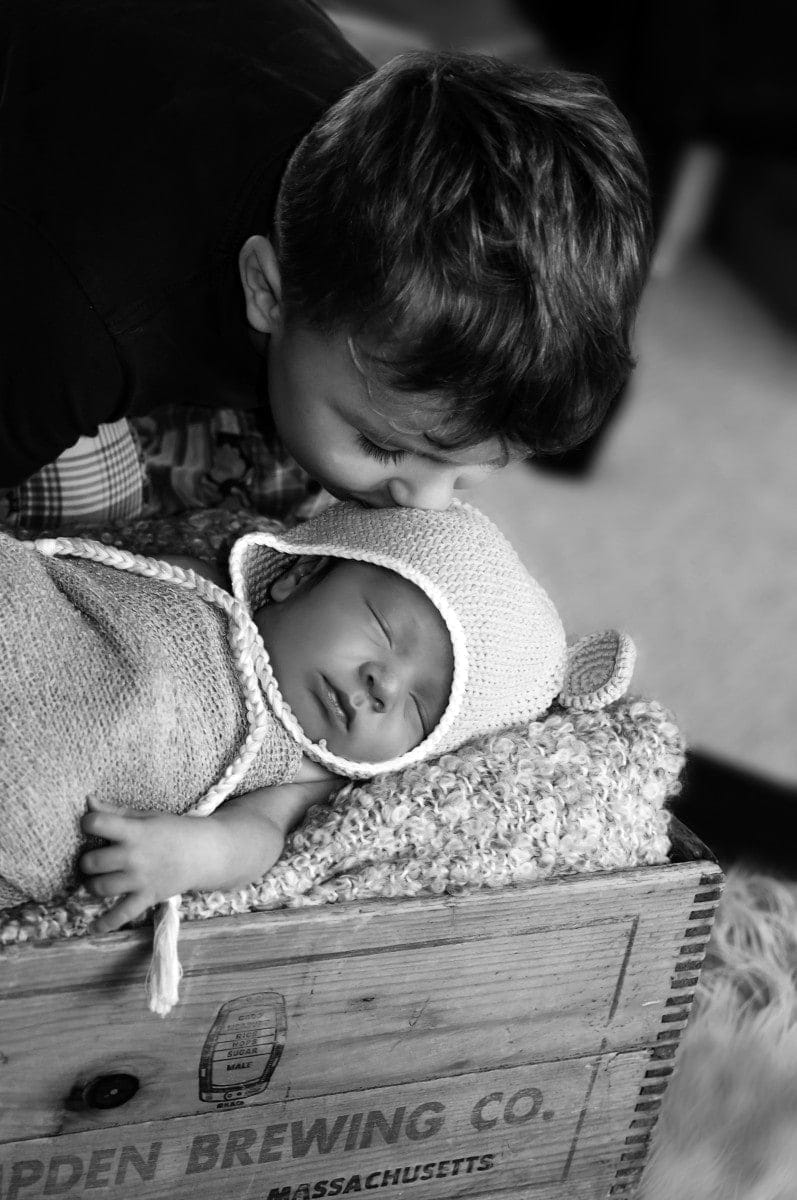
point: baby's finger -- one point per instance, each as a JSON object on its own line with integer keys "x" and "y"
{"x": 100, "y": 862}
{"x": 126, "y": 910}
{"x": 94, "y": 804}
{"x": 111, "y": 824}
{"x": 112, "y": 883}
{"x": 95, "y": 823}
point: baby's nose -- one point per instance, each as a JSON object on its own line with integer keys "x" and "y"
{"x": 382, "y": 685}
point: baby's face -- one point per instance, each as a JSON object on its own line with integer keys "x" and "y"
{"x": 364, "y": 660}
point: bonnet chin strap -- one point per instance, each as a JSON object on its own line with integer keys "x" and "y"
{"x": 163, "y": 977}
{"x": 598, "y": 670}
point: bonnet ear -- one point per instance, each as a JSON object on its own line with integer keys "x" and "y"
{"x": 598, "y": 670}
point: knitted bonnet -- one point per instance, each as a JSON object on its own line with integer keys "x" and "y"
{"x": 510, "y": 655}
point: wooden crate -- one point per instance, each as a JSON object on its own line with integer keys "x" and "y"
{"x": 509, "y": 1043}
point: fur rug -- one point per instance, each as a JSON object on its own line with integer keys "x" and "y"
{"x": 728, "y": 1125}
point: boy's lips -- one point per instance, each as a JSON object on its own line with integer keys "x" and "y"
{"x": 338, "y": 703}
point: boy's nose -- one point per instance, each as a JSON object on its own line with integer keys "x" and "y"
{"x": 434, "y": 489}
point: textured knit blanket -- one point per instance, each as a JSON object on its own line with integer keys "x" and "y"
{"x": 574, "y": 792}
{"x": 577, "y": 791}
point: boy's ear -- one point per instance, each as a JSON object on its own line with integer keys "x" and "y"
{"x": 302, "y": 573}
{"x": 260, "y": 277}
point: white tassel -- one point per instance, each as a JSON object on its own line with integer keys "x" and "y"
{"x": 165, "y": 972}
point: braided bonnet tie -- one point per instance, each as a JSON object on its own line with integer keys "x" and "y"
{"x": 163, "y": 976}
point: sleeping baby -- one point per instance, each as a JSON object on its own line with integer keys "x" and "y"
{"x": 141, "y": 694}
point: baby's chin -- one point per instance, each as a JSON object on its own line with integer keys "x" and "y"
{"x": 336, "y": 741}
{"x": 354, "y": 752}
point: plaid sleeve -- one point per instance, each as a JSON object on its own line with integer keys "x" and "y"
{"x": 171, "y": 461}
{"x": 199, "y": 458}
{"x": 98, "y": 478}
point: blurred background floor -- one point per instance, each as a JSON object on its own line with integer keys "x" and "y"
{"x": 684, "y": 534}
{"x": 683, "y": 531}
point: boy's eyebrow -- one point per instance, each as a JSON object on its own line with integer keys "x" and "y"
{"x": 501, "y": 460}
{"x": 397, "y": 441}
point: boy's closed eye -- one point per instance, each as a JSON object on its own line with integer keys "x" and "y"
{"x": 382, "y": 454}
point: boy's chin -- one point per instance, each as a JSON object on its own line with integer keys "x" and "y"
{"x": 336, "y": 492}
{"x": 339, "y": 493}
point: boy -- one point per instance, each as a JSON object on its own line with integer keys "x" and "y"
{"x": 411, "y": 275}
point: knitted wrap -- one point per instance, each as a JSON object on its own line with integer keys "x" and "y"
{"x": 508, "y": 641}
{"x": 96, "y": 661}
{"x": 121, "y": 689}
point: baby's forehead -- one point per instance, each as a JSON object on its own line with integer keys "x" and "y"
{"x": 369, "y": 574}
{"x": 388, "y": 585}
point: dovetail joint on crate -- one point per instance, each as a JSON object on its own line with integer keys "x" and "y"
{"x": 677, "y": 1008}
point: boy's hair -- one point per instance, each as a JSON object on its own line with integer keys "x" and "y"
{"x": 483, "y": 229}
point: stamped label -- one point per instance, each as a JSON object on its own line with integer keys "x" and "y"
{"x": 242, "y": 1049}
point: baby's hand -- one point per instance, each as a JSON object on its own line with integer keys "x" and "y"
{"x": 143, "y": 865}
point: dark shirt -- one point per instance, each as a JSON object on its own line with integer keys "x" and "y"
{"x": 141, "y": 143}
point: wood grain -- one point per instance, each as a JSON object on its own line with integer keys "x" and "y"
{"x": 382, "y": 1006}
